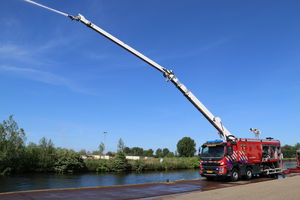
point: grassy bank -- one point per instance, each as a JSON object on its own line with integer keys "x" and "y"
{"x": 152, "y": 164}
{"x": 289, "y": 159}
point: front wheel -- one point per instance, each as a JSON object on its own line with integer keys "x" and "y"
{"x": 235, "y": 175}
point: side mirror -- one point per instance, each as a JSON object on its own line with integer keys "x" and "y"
{"x": 199, "y": 152}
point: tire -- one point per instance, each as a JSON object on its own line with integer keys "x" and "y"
{"x": 249, "y": 173}
{"x": 265, "y": 174}
{"x": 234, "y": 175}
{"x": 210, "y": 178}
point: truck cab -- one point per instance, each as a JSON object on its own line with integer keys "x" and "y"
{"x": 213, "y": 158}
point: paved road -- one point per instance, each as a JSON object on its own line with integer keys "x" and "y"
{"x": 280, "y": 189}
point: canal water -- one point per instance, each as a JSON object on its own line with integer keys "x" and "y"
{"x": 53, "y": 181}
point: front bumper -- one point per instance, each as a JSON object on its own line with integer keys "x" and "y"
{"x": 214, "y": 171}
{"x": 214, "y": 175}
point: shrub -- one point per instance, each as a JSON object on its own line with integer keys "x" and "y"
{"x": 104, "y": 166}
{"x": 120, "y": 163}
{"x": 91, "y": 164}
{"x": 138, "y": 166}
{"x": 68, "y": 161}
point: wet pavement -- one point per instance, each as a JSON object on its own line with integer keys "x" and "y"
{"x": 139, "y": 191}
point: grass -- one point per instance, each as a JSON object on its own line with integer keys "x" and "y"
{"x": 289, "y": 159}
{"x": 151, "y": 164}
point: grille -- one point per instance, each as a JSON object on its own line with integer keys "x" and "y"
{"x": 212, "y": 168}
{"x": 210, "y": 164}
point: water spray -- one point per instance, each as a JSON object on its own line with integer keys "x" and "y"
{"x": 51, "y": 9}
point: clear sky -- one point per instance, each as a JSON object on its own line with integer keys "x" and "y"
{"x": 63, "y": 81}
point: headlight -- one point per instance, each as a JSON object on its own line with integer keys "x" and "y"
{"x": 221, "y": 170}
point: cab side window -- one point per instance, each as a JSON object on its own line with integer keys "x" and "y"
{"x": 229, "y": 150}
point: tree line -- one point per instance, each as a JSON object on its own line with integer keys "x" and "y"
{"x": 289, "y": 151}
{"x": 186, "y": 147}
{"x": 16, "y": 157}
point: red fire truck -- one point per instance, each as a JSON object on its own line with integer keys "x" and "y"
{"x": 242, "y": 157}
{"x": 227, "y": 157}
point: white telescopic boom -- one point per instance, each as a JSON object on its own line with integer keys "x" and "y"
{"x": 215, "y": 121}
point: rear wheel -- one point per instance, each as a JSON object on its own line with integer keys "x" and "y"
{"x": 235, "y": 175}
{"x": 249, "y": 173}
{"x": 265, "y": 170}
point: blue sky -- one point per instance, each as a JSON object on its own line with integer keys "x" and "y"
{"x": 67, "y": 83}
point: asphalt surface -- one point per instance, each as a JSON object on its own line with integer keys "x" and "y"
{"x": 280, "y": 189}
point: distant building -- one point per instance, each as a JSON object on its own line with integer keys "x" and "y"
{"x": 137, "y": 157}
{"x": 96, "y": 157}
{"x": 107, "y": 157}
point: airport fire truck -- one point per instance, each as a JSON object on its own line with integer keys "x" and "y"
{"x": 230, "y": 156}
{"x": 240, "y": 157}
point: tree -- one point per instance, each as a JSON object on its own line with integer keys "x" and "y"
{"x": 170, "y": 155}
{"x": 46, "y": 155}
{"x": 158, "y": 152}
{"x": 148, "y": 153}
{"x": 288, "y": 151}
{"x": 127, "y": 151}
{"x": 82, "y": 152}
{"x": 110, "y": 153}
{"x": 121, "y": 145}
{"x": 186, "y": 147}
{"x": 137, "y": 151}
{"x": 101, "y": 148}
{"x": 12, "y": 146}
{"x": 165, "y": 152}
{"x": 297, "y": 146}
{"x": 32, "y": 157}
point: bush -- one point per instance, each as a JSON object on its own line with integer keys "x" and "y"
{"x": 68, "y": 161}
{"x": 155, "y": 164}
{"x": 6, "y": 172}
{"x": 91, "y": 164}
{"x": 120, "y": 163}
{"x": 117, "y": 164}
{"x": 104, "y": 166}
{"x": 138, "y": 165}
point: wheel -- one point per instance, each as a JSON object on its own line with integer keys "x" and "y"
{"x": 249, "y": 173}
{"x": 266, "y": 174}
{"x": 235, "y": 175}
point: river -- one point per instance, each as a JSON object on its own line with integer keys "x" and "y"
{"x": 52, "y": 181}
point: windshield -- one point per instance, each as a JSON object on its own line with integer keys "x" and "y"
{"x": 212, "y": 151}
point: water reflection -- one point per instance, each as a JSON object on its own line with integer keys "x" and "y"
{"x": 50, "y": 181}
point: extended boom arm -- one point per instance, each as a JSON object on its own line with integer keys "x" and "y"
{"x": 215, "y": 121}
{"x": 170, "y": 76}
